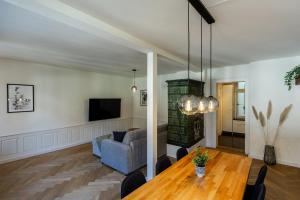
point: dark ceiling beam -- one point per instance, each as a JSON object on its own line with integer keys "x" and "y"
{"x": 201, "y": 9}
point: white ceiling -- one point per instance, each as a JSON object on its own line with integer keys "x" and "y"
{"x": 31, "y": 37}
{"x": 245, "y": 31}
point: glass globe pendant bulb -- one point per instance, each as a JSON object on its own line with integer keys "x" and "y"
{"x": 188, "y": 104}
{"x": 203, "y": 105}
{"x": 134, "y": 88}
{"x": 213, "y": 104}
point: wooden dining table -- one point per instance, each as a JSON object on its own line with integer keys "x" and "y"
{"x": 225, "y": 179}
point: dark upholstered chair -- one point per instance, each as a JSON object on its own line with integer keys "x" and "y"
{"x": 250, "y": 189}
{"x": 181, "y": 153}
{"x": 162, "y": 164}
{"x": 132, "y": 182}
{"x": 261, "y": 175}
{"x": 259, "y": 192}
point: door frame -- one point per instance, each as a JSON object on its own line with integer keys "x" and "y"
{"x": 247, "y": 107}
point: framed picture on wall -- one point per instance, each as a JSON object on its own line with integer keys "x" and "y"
{"x": 143, "y": 97}
{"x": 20, "y": 98}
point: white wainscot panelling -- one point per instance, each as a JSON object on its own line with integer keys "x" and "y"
{"x": 87, "y": 133}
{"x": 9, "y": 146}
{"x": 48, "y": 140}
{"x": 141, "y": 122}
{"x": 29, "y": 144}
{"x": 62, "y": 137}
{"x": 75, "y": 135}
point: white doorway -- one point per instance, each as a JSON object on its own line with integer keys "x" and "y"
{"x": 231, "y": 116}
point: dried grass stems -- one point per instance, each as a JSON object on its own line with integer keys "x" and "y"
{"x": 269, "y": 113}
{"x": 265, "y": 122}
{"x": 262, "y": 121}
{"x": 283, "y": 117}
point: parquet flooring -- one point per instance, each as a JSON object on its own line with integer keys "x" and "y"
{"x": 75, "y": 174}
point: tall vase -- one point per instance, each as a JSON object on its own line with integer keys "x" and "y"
{"x": 270, "y": 157}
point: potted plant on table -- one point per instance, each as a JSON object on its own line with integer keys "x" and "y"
{"x": 292, "y": 77}
{"x": 200, "y": 161}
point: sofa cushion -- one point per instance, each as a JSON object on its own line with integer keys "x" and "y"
{"x": 134, "y": 135}
{"x": 119, "y": 135}
{"x": 100, "y": 138}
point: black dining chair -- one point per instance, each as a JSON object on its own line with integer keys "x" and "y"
{"x": 132, "y": 182}
{"x": 162, "y": 164}
{"x": 260, "y": 180}
{"x": 181, "y": 153}
{"x": 259, "y": 192}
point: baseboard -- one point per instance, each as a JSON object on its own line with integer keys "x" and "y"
{"x": 279, "y": 161}
{"x": 20, "y": 157}
{"x": 24, "y": 145}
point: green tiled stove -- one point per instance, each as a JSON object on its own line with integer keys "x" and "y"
{"x": 183, "y": 130}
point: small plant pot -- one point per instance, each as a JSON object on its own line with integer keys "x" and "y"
{"x": 297, "y": 81}
{"x": 200, "y": 171}
{"x": 269, "y": 156}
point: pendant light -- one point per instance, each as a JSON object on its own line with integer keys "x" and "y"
{"x": 188, "y": 104}
{"x": 134, "y": 88}
{"x": 213, "y": 103}
{"x": 203, "y": 101}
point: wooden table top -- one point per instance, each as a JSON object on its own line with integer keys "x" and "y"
{"x": 226, "y": 178}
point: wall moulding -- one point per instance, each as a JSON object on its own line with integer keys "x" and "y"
{"x": 23, "y": 145}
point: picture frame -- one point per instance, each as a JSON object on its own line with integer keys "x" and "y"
{"x": 143, "y": 97}
{"x": 20, "y": 98}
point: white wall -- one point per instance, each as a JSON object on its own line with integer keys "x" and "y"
{"x": 60, "y": 118}
{"x": 61, "y": 95}
{"x": 265, "y": 82}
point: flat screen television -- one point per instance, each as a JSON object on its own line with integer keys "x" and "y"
{"x": 100, "y": 109}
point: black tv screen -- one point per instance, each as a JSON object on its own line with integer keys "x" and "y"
{"x": 104, "y": 109}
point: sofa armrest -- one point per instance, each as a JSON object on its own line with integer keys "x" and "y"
{"x": 117, "y": 155}
{"x": 96, "y": 142}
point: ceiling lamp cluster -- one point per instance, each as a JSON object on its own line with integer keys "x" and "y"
{"x": 190, "y": 104}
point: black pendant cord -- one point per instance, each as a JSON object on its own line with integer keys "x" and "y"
{"x": 188, "y": 40}
{"x": 189, "y": 47}
{"x": 201, "y": 51}
{"x": 134, "y": 78}
{"x": 210, "y": 61}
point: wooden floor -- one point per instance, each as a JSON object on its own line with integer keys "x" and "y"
{"x": 231, "y": 141}
{"x": 76, "y": 174}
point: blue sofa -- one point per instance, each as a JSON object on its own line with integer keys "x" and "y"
{"x": 131, "y": 154}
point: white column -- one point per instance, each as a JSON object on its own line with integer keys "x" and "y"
{"x": 151, "y": 114}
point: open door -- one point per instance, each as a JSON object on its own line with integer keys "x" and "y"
{"x": 231, "y": 115}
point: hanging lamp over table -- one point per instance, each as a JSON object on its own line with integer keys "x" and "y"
{"x": 213, "y": 103}
{"x": 188, "y": 104}
{"x": 203, "y": 101}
